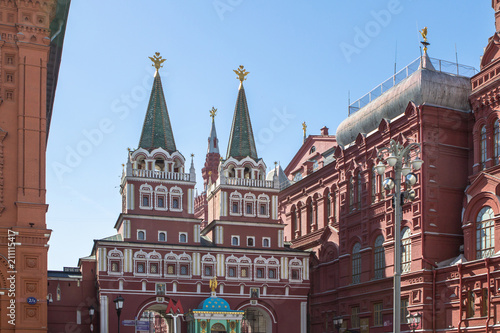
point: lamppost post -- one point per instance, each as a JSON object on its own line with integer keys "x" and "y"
{"x": 119, "y": 306}
{"x": 399, "y": 158}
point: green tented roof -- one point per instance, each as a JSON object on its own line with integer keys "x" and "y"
{"x": 157, "y": 131}
{"x": 241, "y": 142}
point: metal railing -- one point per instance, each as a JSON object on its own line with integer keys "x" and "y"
{"x": 161, "y": 174}
{"x": 248, "y": 182}
{"x": 442, "y": 66}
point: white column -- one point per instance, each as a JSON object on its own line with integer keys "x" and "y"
{"x": 104, "y": 314}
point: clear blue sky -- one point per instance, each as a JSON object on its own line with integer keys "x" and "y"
{"x": 303, "y": 58}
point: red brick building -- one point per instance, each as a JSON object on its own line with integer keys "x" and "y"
{"x": 449, "y": 247}
{"x": 32, "y": 35}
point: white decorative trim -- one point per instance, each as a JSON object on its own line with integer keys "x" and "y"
{"x": 208, "y": 260}
{"x": 161, "y": 192}
{"x": 115, "y": 255}
{"x": 235, "y": 198}
{"x": 295, "y": 264}
{"x": 268, "y": 241}
{"x": 249, "y": 199}
{"x": 103, "y": 300}
{"x": 263, "y": 199}
{"x": 176, "y": 193}
{"x": 146, "y": 191}
{"x": 162, "y": 232}
{"x": 280, "y": 238}
{"x": 183, "y": 234}
{"x": 237, "y": 237}
{"x": 137, "y": 234}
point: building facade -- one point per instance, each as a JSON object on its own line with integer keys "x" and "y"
{"x": 448, "y": 233}
{"x": 31, "y": 43}
{"x": 162, "y": 259}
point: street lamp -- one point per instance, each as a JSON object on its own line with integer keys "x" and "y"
{"x": 414, "y": 320}
{"x": 400, "y": 158}
{"x": 91, "y": 314}
{"x": 119, "y": 306}
{"x": 337, "y": 322}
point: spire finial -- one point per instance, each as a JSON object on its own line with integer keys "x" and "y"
{"x": 213, "y": 112}
{"x": 242, "y": 73}
{"x": 423, "y": 32}
{"x": 304, "y": 128}
{"x": 157, "y": 60}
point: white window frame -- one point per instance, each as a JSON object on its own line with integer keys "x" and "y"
{"x": 235, "y": 197}
{"x": 185, "y": 259}
{"x": 162, "y": 232}
{"x": 208, "y": 260}
{"x": 115, "y": 255}
{"x": 161, "y": 192}
{"x": 141, "y": 257}
{"x": 235, "y": 237}
{"x": 176, "y": 193}
{"x": 295, "y": 264}
{"x": 171, "y": 258}
{"x": 263, "y": 199}
{"x": 141, "y": 230}
{"x": 249, "y": 199}
{"x": 264, "y": 239}
{"x": 146, "y": 190}
{"x": 185, "y": 234}
{"x": 253, "y": 238}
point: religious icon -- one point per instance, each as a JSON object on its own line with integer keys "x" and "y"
{"x": 254, "y": 292}
{"x": 160, "y": 289}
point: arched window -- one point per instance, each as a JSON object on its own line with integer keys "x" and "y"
{"x": 485, "y": 233}
{"x": 310, "y": 214}
{"x": 373, "y": 184}
{"x": 351, "y": 194}
{"x": 356, "y": 263}
{"x": 329, "y": 205}
{"x": 358, "y": 191}
{"x": 405, "y": 250}
{"x": 483, "y": 147}
{"x": 496, "y": 141}
{"x": 379, "y": 257}
{"x": 141, "y": 235}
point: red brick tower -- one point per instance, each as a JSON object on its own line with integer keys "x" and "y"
{"x": 30, "y": 51}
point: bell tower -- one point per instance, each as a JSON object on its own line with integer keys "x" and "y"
{"x": 157, "y": 190}
{"x": 241, "y": 200}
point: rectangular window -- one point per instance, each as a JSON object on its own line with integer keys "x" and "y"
{"x": 145, "y": 201}
{"x": 170, "y": 269}
{"x": 184, "y": 269}
{"x": 244, "y": 272}
{"x": 470, "y": 304}
{"x": 249, "y": 208}
{"x": 161, "y": 202}
{"x": 377, "y": 314}
{"x": 115, "y": 266}
{"x": 141, "y": 267}
{"x": 355, "y": 317}
{"x": 263, "y": 210}
{"x": 484, "y": 303}
{"x": 182, "y": 237}
{"x": 175, "y": 203}
{"x": 295, "y": 274}
{"x": 235, "y": 207}
{"x": 231, "y": 271}
{"x": 235, "y": 240}
{"x": 208, "y": 270}
{"x": 260, "y": 273}
{"x": 266, "y": 242}
{"x": 404, "y": 311}
{"x": 153, "y": 268}
{"x": 162, "y": 236}
{"x": 250, "y": 241}
{"x": 272, "y": 273}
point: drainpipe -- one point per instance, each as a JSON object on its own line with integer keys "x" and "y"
{"x": 487, "y": 263}
{"x": 434, "y": 273}
{"x": 460, "y": 297}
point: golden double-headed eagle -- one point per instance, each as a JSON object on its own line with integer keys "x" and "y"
{"x": 423, "y": 32}
{"x": 242, "y": 73}
{"x": 157, "y": 60}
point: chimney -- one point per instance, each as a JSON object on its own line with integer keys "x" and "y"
{"x": 324, "y": 131}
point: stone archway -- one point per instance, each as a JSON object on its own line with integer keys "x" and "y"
{"x": 256, "y": 320}
{"x": 159, "y": 320}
